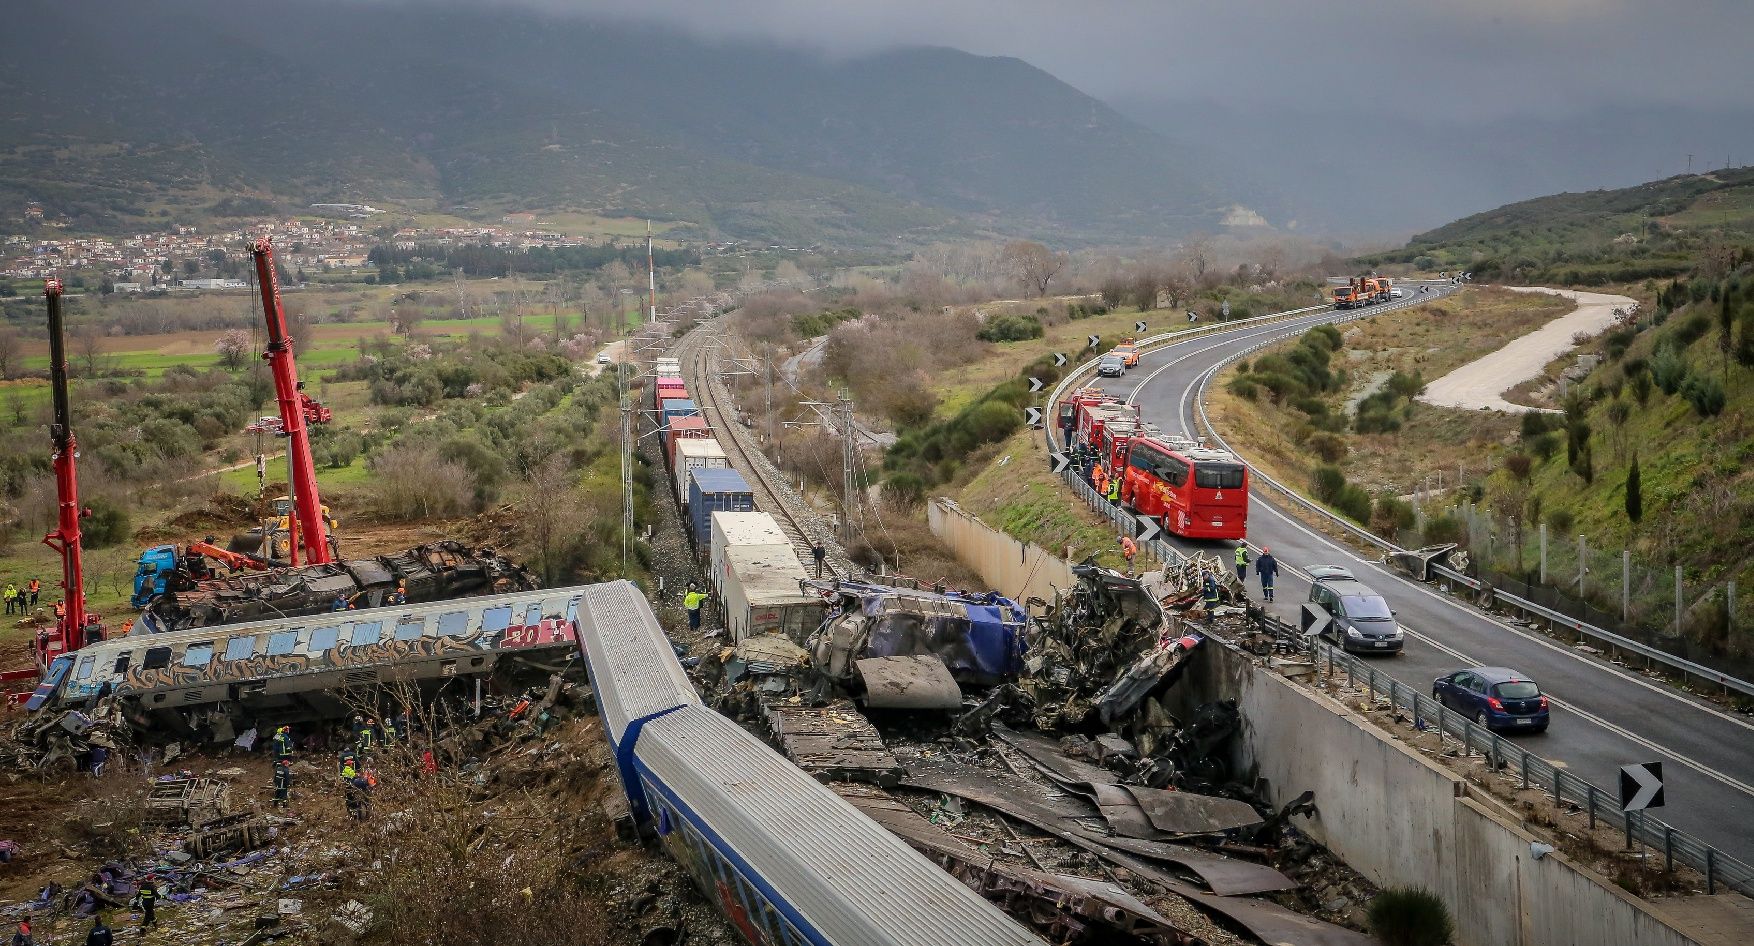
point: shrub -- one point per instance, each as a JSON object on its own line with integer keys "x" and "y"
{"x": 1705, "y": 394}
{"x": 1444, "y": 529}
{"x": 1330, "y": 447}
{"x": 1313, "y": 406}
{"x": 1518, "y": 465}
{"x": 1545, "y": 445}
{"x": 1410, "y": 916}
{"x": 1561, "y": 520}
{"x": 1245, "y": 388}
{"x": 1328, "y": 483}
{"x": 1375, "y": 420}
{"x": 1693, "y": 328}
{"x": 1641, "y": 387}
{"x": 1406, "y": 385}
{"x": 1668, "y": 369}
{"x": 106, "y": 526}
{"x": 1536, "y": 423}
{"x": 1391, "y": 515}
{"x": 905, "y": 488}
{"x": 1354, "y": 503}
{"x": 1010, "y": 328}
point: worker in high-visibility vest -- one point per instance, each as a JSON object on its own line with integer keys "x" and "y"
{"x": 1242, "y": 561}
{"x": 691, "y": 602}
{"x": 1129, "y": 548}
{"x": 1114, "y": 489}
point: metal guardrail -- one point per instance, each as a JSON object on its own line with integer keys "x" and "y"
{"x": 1681, "y": 665}
{"x": 1599, "y": 805}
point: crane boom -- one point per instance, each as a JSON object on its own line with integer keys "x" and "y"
{"x": 311, "y": 530}
{"x": 65, "y": 538}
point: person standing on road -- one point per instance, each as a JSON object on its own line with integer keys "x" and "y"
{"x": 100, "y": 934}
{"x": 1114, "y": 489}
{"x": 1129, "y": 548}
{"x": 691, "y": 602}
{"x": 148, "y": 900}
{"x": 282, "y": 782}
{"x": 1211, "y": 592}
{"x": 1242, "y": 561}
{"x": 1268, "y": 568}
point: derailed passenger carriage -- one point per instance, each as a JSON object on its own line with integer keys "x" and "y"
{"x": 787, "y": 860}
{"x": 210, "y": 681}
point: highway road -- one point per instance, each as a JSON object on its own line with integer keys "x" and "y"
{"x": 1603, "y": 716}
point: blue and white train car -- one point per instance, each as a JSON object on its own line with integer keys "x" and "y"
{"x": 788, "y": 860}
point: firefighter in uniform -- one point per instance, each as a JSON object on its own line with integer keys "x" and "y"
{"x": 282, "y": 782}
{"x": 1242, "y": 561}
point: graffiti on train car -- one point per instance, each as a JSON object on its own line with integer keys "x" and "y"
{"x": 344, "y": 655}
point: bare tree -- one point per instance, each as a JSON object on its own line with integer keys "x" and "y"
{"x": 1033, "y": 264}
{"x": 88, "y": 347}
{"x": 11, "y": 350}
{"x": 233, "y": 346}
{"x": 550, "y": 514}
{"x": 1198, "y": 253}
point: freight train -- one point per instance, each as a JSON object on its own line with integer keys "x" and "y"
{"x": 1192, "y": 490}
{"x": 788, "y": 860}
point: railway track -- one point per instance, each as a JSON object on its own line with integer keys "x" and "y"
{"x": 773, "y": 495}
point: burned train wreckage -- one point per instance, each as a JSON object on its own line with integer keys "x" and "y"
{"x": 190, "y": 593}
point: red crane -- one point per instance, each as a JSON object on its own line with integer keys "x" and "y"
{"x": 307, "y": 526}
{"x": 65, "y": 538}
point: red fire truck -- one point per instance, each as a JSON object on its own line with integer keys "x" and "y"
{"x": 1195, "y": 491}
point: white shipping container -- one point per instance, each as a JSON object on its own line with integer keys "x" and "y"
{"x": 739, "y": 528}
{"x": 669, "y": 368}
{"x": 761, "y": 594}
{"x": 695, "y": 453}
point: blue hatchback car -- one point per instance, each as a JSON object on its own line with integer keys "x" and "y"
{"x": 1498, "y": 698}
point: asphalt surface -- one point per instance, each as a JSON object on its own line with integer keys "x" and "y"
{"x": 1603, "y": 716}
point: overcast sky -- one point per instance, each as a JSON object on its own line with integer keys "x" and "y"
{"x": 1472, "y": 58}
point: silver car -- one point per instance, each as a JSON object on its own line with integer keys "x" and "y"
{"x": 1111, "y": 366}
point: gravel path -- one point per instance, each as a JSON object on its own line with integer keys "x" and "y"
{"x": 1480, "y": 384}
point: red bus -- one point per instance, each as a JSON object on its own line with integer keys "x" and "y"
{"x": 1195, "y": 491}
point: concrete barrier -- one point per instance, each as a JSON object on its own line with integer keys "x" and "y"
{"x": 1010, "y": 567}
{"x": 1401, "y": 820}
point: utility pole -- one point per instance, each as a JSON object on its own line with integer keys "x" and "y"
{"x": 769, "y": 398}
{"x": 626, "y": 466}
{"x": 849, "y": 475}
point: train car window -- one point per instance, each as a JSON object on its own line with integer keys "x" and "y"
{"x": 533, "y": 616}
{"x": 493, "y": 620}
{"x": 454, "y": 623}
{"x": 241, "y": 648}
{"x": 85, "y": 665}
{"x": 282, "y": 642}
{"x": 121, "y": 663}
{"x": 198, "y": 655}
{"x": 157, "y": 658}
{"x": 410, "y": 631}
{"x": 366, "y": 632}
{"x": 1218, "y": 475}
{"x": 572, "y": 611}
{"x": 322, "y": 639}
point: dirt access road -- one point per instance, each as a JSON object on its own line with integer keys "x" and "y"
{"x": 1480, "y": 384}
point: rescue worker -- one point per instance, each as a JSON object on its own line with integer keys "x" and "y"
{"x": 60, "y": 611}
{"x": 1211, "y": 592}
{"x": 127, "y": 627}
{"x": 356, "y": 789}
{"x": 11, "y": 595}
{"x": 339, "y": 604}
{"x": 282, "y": 782}
{"x": 1129, "y": 548}
{"x": 22, "y": 937}
{"x": 100, "y": 934}
{"x": 1114, "y": 489}
{"x": 1268, "y": 568}
{"x": 147, "y": 898}
{"x": 282, "y": 744}
{"x": 691, "y": 602}
{"x": 1099, "y": 479}
{"x": 389, "y": 730}
{"x": 1242, "y": 561}
{"x": 33, "y": 589}
{"x": 367, "y": 736}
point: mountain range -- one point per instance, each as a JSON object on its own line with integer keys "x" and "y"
{"x": 118, "y": 114}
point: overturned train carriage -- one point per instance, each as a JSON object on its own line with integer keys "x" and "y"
{"x": 207, "y": 682}
{"x": 788, "y": 861}
{"x": 429, "y": 572}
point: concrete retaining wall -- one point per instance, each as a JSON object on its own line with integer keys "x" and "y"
{"x": 1010, "y": 567}
{"x": 1401, "y": 820}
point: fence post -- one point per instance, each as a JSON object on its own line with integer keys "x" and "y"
{"x": 1591, "y": 803}
{"x": 1394, "y": 691}
{"x": 1370, "y": 689}
{"x": 1525, "y": 768}
{"x": 1711, "y": 870}
{"x": 1668, "y": 849}
{"x": 1629, "y": 816}
{"x": 1543, "y": 553}
{"x": 1625, "y": 586}
{"x": 1582, "y": 556}
{"x": 1730, "y": 604}
{"x": 1677, "y": 599}
{"x": 1558, "y": 799}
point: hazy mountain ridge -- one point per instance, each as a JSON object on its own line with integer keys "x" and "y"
{"x": 124, "y": 110}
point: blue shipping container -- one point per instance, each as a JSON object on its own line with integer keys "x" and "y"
{"x": 679, "y": 407}
{"x": 715, "y": 490}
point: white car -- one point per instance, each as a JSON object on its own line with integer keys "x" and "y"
{"x": 603, "y": 358}
{"x": 1396, "y": 292}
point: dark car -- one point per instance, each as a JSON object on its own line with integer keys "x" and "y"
{"x": 1111, "y": 366}
{"x": 1362, "y": 621}
{"x": 1498, "y": 698}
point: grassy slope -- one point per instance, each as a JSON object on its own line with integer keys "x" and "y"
{"x": 1433, "y": 339}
